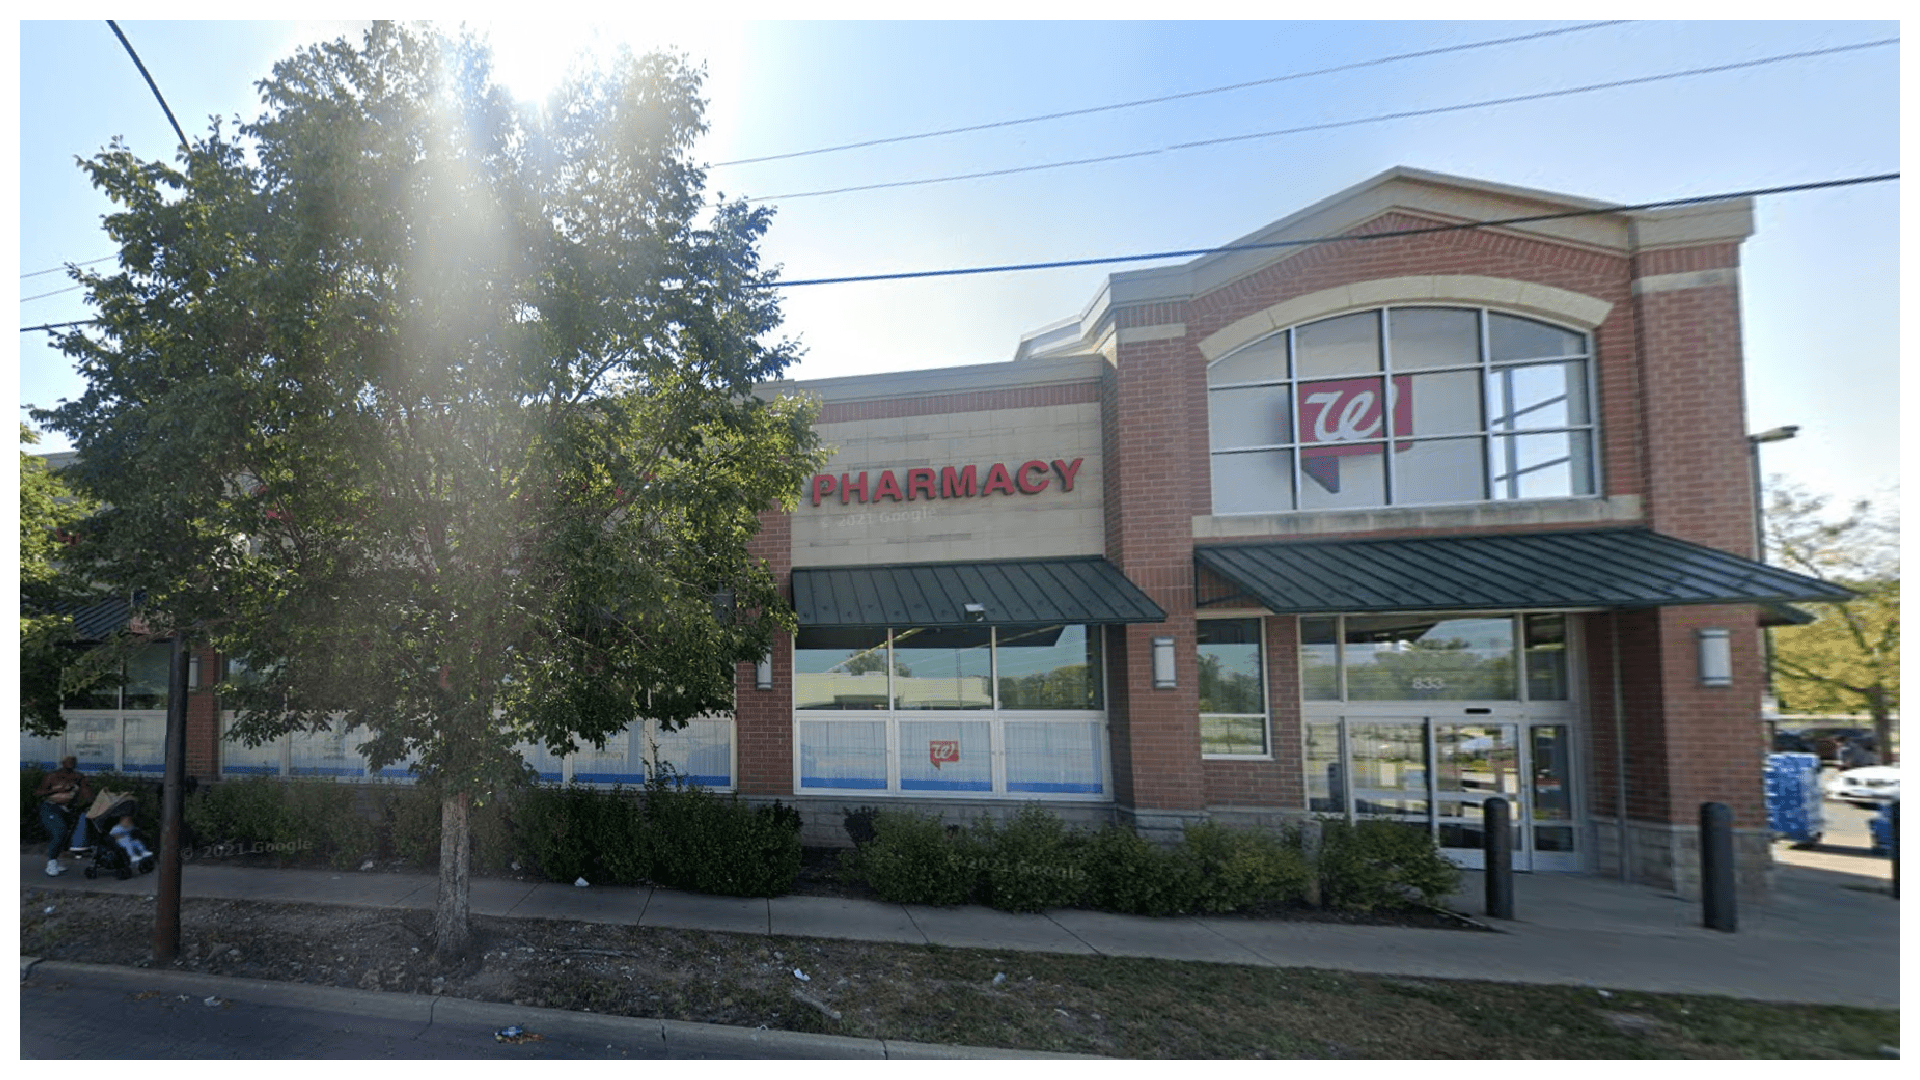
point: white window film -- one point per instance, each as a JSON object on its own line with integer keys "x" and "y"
{"x": 325, "y": 754}
{"x": 1402, "y": 406}
{"x": 40, "y": 751}
{"x": 621, "y": 761}
{"x": 700, "y": 753}
{"x": 239, "y": 759}
{"x": 143, "y": 743}
{"x": 967, "y": 711}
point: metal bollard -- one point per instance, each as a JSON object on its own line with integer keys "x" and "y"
{"x": 1893, "y": 839}
{"x": 1716, "y": 867}
{"x": 1497, "y": 843}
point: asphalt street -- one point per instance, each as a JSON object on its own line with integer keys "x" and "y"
{"x": 125, "y": 1015}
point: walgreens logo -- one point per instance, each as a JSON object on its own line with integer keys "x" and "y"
{"x": 1335, "y": 416}
{"x": 946, "y": 482}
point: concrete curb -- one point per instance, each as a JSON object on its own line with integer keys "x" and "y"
{"x": 680, "y": 1037}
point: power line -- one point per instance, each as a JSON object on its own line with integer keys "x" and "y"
{"x": 55, "y": 292}
{"x": 1064, "y": 114}
{"x": 1274, "y": 244}
{"x": 1380, "y": 118}
{"x": 155, "y": 87}
{"x": 1392, "y": 234}
{"x": 57, "y": 269}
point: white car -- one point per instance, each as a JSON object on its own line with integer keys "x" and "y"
{"x": 1867, "y": 786}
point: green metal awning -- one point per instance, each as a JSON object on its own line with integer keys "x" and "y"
{"x": 1027, "y": 592}
{"x": 1592, "y": 568}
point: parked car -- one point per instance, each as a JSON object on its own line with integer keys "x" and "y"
{"x": 1866, "y": 787}
{"x": 1791, "y": 742}
{"x": 1827, "y": 741}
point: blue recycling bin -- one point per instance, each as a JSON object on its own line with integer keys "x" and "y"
{"x": 1796, "y": 808}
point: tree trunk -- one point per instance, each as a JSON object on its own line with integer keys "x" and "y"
{"x": 452, "y": 933}
{"x": 1882, "y": 725}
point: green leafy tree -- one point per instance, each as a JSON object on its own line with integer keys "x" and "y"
{"x": 51, "y": 664}
{"x": 1848, "y": 659}
{"x": 438, "y": 412}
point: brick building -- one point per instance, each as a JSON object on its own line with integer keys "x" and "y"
{"x": 1378, "y": 527}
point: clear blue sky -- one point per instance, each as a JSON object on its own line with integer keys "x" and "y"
{"x": 1819, "y": 281}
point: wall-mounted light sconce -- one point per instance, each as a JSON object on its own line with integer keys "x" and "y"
{"x": 975, "y": 612}
{"x": 193, "y": 671}
{"x": 1716, "y": 657}
{"x": 763, "y": 673}
{"x": 1163, "y": 663}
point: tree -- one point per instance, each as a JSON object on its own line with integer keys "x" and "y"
{"x": 1848, "y": 658}
{"x": 49, "y": 592}
{"x": 439, "y": 413}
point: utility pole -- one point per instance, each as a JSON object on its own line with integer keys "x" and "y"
{"x": 166, "y": 909}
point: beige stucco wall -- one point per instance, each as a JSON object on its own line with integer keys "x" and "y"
{"x": 998, "y": 526}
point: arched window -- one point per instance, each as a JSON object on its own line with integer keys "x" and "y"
{"x": 1475, "y": 405}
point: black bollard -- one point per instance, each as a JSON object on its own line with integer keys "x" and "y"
{"x": 1893, "y": 844}
{"x": 1497, "y": 843}
{"x": 1716, "y": 867}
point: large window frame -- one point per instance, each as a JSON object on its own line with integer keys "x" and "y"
{"x": 1002, "y": 726}
{"x": 1263, "y": 677}
{"x": 1501, "y": 440}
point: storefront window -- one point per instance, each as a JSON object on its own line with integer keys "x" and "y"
{"x": 1546, "y": 657}
{"x": 1424, "y": 658}
{"x": 840, "y": 669}
{"x": 1049, "y": 667}
{"x": 1233, "y": 699}
{"x": 1402, "y": 406}
{"x": 943, "y": 668}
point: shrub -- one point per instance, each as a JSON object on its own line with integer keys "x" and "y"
{"x": 1225, "y": 869}
{"x": 712, "y": 843}
{"x": 1031, "y": 863}
{"x": 247, "y": 811}
{"x": 322, "y": 817}
{"x": 1128, "y": 874}
{"x": 917, "y": 860}
{"x": 412, "y": 824}
{"x": 1376, "y": 865}
{"x": 859, "y": 824}
{"x": 562, "y": 831}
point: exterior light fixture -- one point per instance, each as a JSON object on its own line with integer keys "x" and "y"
{"x": 763, "y": 673}
{"x": 975, "y": 612}
{"x": 1163, "y": 663}
{"x": 1716, "y": 657}
{"x": 193, "y": 671}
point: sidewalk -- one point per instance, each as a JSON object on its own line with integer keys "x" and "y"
{"x": 1828, "y": 935}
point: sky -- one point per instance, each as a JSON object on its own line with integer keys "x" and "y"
{"x": 1819, "y": 277}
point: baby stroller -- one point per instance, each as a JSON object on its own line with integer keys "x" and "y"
{"x": 102, "y": 816}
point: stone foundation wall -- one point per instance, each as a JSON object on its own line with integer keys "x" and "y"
{"x": 1668, "y": 857}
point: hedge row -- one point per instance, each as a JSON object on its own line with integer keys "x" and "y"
{"x": 1035, "y": 861}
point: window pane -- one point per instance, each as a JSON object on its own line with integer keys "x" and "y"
{"x": 1255, "y": 416}
{"x": 701, "y": 753}
{"x": 1440, "y": 471}
{"x": 94, "y": 740}
{"x": 325, "y": 753}
{"x": 1319, "y": 660}
{"x": 1513, "y": 338}
{"x": 1537, "y": 396}
{"x": 948, "y": 668}
{"x": 946, "y": 755}
{"x": 1546, "y": 657}
{"x": 1424, "y": 658}
{"x": 1233, "y": 735}
{"x": 100, "y": 697}
{"x": 1049, "y": 667}
{"x": 147, "y": 674}
{"x": 1345, "y": 345}
{"x": 843, "y": 755}
{"x": 1261, "y": 361}
{"x": 1230, "y": 666}
{"x": 239, "y": 759}
{"x": 1326, "y": 787}
{"x": 1055, "y": 758}
{"x": 1338, "y": 411}
{"x": 1389, "y": 768}
{"x": 1257, "y": 483}
{"x": 1433, "y": 337}
{"x": 840, "y": 669}
{"x": 1542, "y": 466}
{"x": 1352, "y": 476}
{"x": 1444, "y": 404}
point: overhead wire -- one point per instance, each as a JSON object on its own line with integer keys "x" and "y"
{"x": 1113, "y": 106}
{"x": 151, "y": 85}
{"x": 1269, "y": 245}
{"x": 55, "y": 292}
{"x": 57, "y": 269}
{"x": 1406, "y": 114}
{"x": 1318, "y": 240}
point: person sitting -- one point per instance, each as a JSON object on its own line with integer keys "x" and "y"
{"x": 60, "y": 792}
{"x": 123, "y": 835}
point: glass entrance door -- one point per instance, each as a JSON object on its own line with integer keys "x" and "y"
{"x": 1473, "y": 763}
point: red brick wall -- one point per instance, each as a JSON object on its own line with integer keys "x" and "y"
{"x": 1024, "y": 397}
{"x": 203, "y": 721}
{"x": 763, "y": 719}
